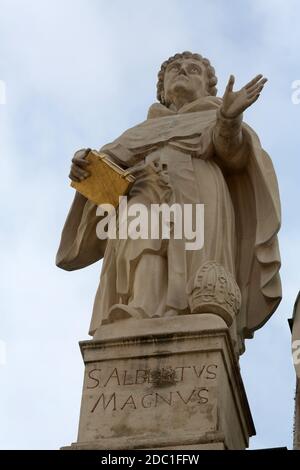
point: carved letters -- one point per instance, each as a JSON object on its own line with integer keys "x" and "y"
{"x": 149, "y": 388}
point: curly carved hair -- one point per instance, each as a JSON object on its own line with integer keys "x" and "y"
{"x": 210, "y": 71}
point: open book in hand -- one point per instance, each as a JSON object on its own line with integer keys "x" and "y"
{"x": 107, "y": 180}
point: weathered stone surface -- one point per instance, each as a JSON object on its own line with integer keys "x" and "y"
{"x": 165, "y": 387}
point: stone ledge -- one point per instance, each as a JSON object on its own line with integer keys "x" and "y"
{"x": 211, "y": 441}
{"x": 131, "y": 328}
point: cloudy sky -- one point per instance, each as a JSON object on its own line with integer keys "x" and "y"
{"x": 77, "y": 73}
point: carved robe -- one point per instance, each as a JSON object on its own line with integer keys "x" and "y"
{"x": 241, "y": 220}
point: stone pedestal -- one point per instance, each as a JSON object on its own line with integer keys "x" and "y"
{"x": 164, "y": 383}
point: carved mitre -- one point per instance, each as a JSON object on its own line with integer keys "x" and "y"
{"x": 215, "y": 291}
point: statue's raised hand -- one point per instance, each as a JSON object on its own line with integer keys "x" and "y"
{"x": 235, "y": 102}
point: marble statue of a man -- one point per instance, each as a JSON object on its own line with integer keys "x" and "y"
{"x": 193, "y": 148}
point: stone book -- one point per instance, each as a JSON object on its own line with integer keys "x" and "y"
{"x": 107, "y": 180}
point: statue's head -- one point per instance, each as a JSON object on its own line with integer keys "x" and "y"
{"x": 186, "y": 76}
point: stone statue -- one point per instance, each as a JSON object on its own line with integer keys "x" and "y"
{"x": 193, "y": 148}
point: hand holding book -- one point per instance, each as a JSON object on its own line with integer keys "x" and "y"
{"x": 79, "y": 170}
{"x": 99, "y": 179}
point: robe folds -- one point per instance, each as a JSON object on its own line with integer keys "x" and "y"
{"x": 241, "y": 220}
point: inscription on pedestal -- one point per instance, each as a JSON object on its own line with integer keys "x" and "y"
{"x": 102, "y": 380}
{"x": 120, "y": 396}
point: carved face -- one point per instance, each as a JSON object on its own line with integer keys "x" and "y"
{"x": 186, "y": 80}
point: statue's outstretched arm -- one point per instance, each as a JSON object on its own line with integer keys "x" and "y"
{"x": 229, "y": 143}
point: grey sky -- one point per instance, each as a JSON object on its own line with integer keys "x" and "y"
{"x": 78, "y": 73}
